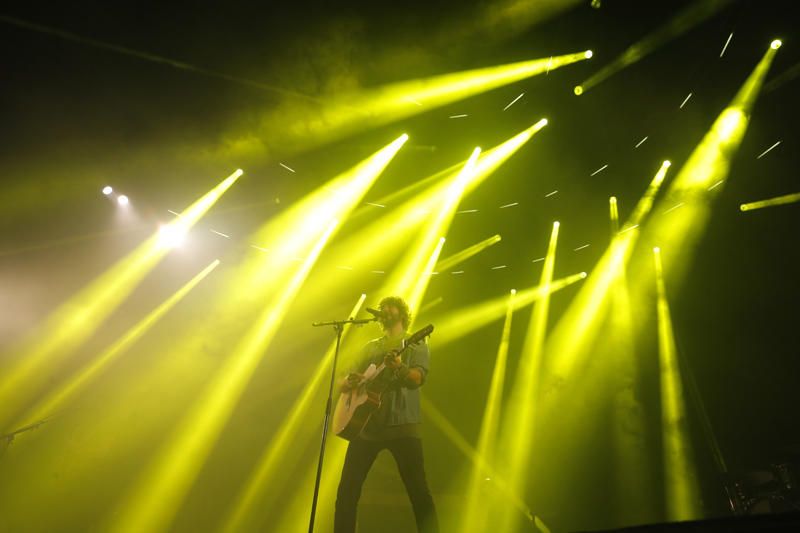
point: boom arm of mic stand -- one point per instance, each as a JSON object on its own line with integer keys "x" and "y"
{"x": 340, "y": 323}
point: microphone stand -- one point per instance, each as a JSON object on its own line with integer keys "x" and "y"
{"x": 8, "y": 438}
{"x": 338, "y": 326}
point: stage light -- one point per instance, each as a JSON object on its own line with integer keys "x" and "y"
{"x": 613, "y": 213}
{"x": 107, "y": 190}
{"x": 667, "y": 163}
{"x": 75, "y": 320}
{"x": 122, "y": 200}
{"x": 775, "y": 44}
{"x": 780, "y": 200}
{"x": 578, "y": 90}
{"x": 588, "y": 54}
{"x": 171, "y": 236}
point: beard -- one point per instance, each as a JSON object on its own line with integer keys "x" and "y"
{"x": 388, "y": 322}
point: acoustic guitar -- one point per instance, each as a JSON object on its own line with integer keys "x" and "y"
{"x": 356, "y": 405}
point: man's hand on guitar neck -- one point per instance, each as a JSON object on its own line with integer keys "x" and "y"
{"x": 352, "y": 381}
{"x": 392, "y": 359}
{"x": 407, "y": 376}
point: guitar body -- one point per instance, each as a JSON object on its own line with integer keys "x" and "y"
{"x": 356, "y": 405}
{"x": 353, "y": 411}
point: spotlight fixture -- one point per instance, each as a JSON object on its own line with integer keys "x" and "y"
{"x": 107, "y": 190}
{"x": 589, "y": 54}
{"x": 578, "y": 90}
{"x": 775, "y": 44}
{"x": 122, "y": 200}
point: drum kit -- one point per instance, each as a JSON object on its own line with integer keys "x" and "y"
{"x": 770, "y": 490}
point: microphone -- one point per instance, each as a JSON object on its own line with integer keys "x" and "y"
{"x": 378, "y": 315}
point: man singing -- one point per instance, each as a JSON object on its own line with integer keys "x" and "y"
{"x": 394, "y": 426}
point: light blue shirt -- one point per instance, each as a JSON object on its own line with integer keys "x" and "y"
{"x": 400, "y": 404}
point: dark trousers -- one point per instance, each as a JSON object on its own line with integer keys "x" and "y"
{"x": 360, "y": 456}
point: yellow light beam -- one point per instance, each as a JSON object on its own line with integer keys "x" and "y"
{"x": 464, "y": 321}
{"x": 286, "y": 239}
{"x": 408, "y": 272}
{"x": 57, "y": 399}
{"x": 306, "y": 219}
{"x": 632, "y": 502}
{"x": 75, "y": 320}
{"x": 459, "y": 257}
{"x": 680, "y": 477}
{"x": 679, "y": 24}
{"x": 519, "y": 424}
{"x": 772, "y": 202}
{"x": 579, "y": 325}
{"x": 424, "y": 278}
{"x": 160, "y": 491}
{"x": 474, "y": 514}
{"x": 253, "y": 491}
{"x": 310, "y": 125}
{"x": 391, "y": 230}
{"x": 709, "y": 164}
{"x": 440, "y": 421}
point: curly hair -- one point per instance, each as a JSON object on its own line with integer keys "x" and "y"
{"x": 401, "y": 305}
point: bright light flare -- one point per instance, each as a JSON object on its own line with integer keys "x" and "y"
{"x": 123, "y": 200}
{"x": 613, "y": 213}
{"x": 171, "y": 236}
{"x": 107, "y": 190}
{"x": 776, "y": 44}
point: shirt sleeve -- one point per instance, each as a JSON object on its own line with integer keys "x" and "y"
{"x": 420, "y": 359}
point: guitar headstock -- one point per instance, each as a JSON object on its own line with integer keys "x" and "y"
{"x": 420, "y": 335}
